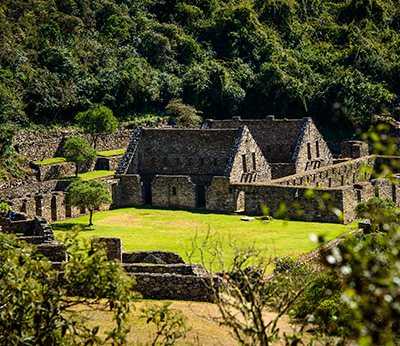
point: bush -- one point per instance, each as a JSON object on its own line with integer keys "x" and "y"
{"x": 322, "y": 300}
{"x": 34, "y": 307}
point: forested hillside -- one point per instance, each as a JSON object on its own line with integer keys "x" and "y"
{"x": 337, "y": 61}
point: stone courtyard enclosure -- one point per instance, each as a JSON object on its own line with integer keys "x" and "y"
{"x": 174, "y": 230}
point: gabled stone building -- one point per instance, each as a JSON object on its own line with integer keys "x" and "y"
{"x": 173, "y": 167}
{"x": 290, "y": 146}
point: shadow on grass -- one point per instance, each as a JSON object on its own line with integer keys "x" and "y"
{"x": 65, "y": 227}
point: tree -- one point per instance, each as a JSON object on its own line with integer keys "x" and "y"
{"x": 87, "y": 194}
{"x": 78, "y": 150}
{"x": 184, "y": 115}
{"x": 97, "y": 120}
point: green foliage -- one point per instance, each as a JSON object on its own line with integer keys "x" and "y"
{"x": 170, "y": 324}
{"x": 183, "y": 114}
{"x": 97, "y": 120}
{"x": 4, "y": 206}
{"x": 87, "y": 195}
{"x": 380, "y": 211}
{"x": 78, "y": 150}
{"x": 322, "y": 300}
{"x": 337, "y": 62}
{"x": 369, "y": 267}
{"x": 35, "y": 308}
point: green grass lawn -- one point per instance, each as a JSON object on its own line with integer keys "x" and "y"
{"x": 89, "y": 175}
{"x": 112, "y": 152}
{"x": 175, "y": 230}
{"x": 51, "y": 161}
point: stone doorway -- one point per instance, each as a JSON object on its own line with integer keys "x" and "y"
{"x": 201, "y": 196}
{"x": 148, "y": 200}
{"x": 240, "y": 200}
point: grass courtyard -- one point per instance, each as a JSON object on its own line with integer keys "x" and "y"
{"x": 147, "y": 228}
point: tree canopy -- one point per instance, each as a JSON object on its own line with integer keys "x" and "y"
{"x": 97, "y": 120}
{"x": 88, "y": 195}
{"x": 336, "y": 61}
{"x": 78, "y": 150}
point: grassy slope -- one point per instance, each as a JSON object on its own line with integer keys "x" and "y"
{"x": 174, "y": 230}
{"x": 90, "y": 175}
{"x": 51, "y": 161}
{"x": 109, "y": 153}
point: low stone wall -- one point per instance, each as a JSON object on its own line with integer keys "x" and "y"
{"x": 55, "y": 252}
{"x": 138, "y": 256}
{"x": 173, "y": 286}
{"x": 179, "y": 269}
{"x": 27, "y": 226}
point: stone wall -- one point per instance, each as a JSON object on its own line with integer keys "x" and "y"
{"x": 139, "y": 256}
{"x": 113, "y": 247}
{"x": 354, "y": 149}
{"x": 275, "y": 137}
{"x": 27, "y": 226}
{"x": 173, "y": 191}
{"x": 46, "y": 199}
{"x": 55, "y": 252}
{"x": 341, "y": 174}
{"x": 311, "y": 150}
{"x": 200, "y": 154}
{"x": 174, "y": 286}
{"x": 180, "y": 269}
{"x": 220, "y": 196}
{"x": 279, "y": 170}
{"x": 38, "y": 145}
{"x": 246, "y": 162}
{"x": 129, "y": 191}
{"x": 107, "y": 163}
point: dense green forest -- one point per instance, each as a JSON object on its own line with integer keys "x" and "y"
{"x": 337, "y": 61}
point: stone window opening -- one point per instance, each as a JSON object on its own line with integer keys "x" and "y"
{"x": 174, "y": 191}
{"x": 317, "y": 148}
{"x": 309, "y": 151}
{"x": 215, "y": 162}
{"x": 394, "y": 194}
{"x": 202, "y": 162}
{"x": 254, "y": 161}
{"x": 178, "y": 161}
{"x": 244, "y": 163}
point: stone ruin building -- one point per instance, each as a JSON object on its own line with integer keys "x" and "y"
{"x": 226, "y": 166}
{"x": 233, "y": 165}
{"x": 174, "y": 167}
{"x": 290, "y": 146}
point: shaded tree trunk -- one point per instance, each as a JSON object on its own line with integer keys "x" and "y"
{"x": 90, "y": 217}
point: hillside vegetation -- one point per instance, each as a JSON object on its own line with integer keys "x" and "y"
{"x": 336, "y": 61}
